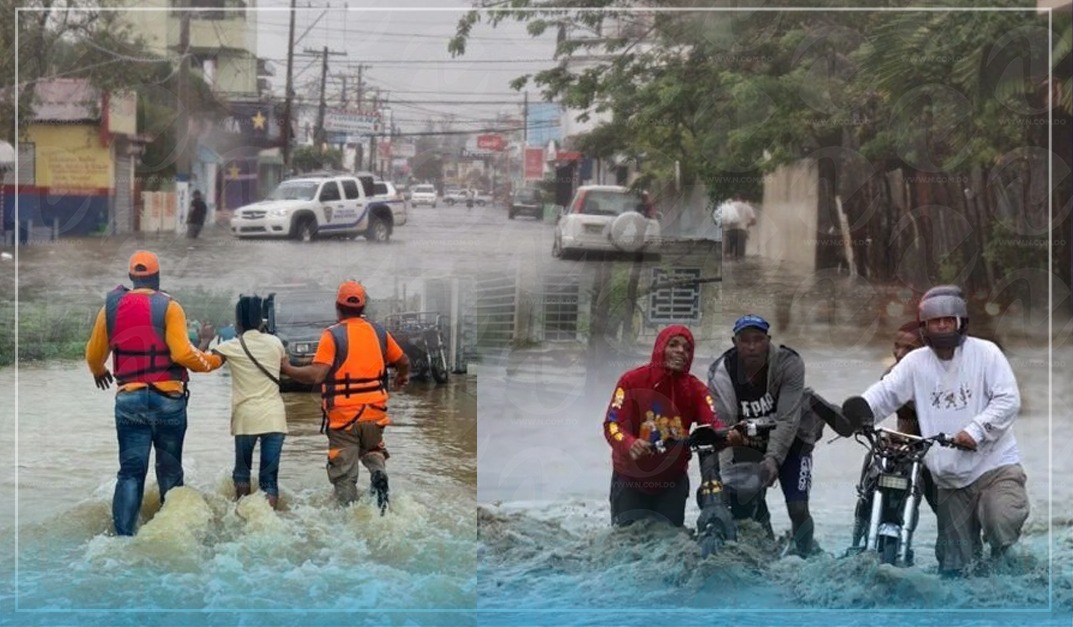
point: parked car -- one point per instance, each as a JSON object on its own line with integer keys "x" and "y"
{"x": 319, "y": 205}
{"x": 526, "y": 201}
{"x": 423, "y": 195}
{"x": 298, "y": 316}
{"x": 384, "y": 191}
{"x": 482, "y": 198}
{"x": 604, "y": 218}
{"x": 452, "y": 196}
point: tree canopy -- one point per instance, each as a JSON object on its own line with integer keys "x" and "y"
{"x": 731, "y": 92}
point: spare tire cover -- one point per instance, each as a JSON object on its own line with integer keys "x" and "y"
{"x": 628, "y": 231}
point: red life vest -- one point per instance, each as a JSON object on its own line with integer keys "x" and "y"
{"x": 137, "y": 338}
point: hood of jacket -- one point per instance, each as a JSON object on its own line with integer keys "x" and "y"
{"x": 659, "y": 370}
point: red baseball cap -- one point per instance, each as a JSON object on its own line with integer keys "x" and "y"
{"x": 351, "y": 294}
{"x": 144, "y": 263}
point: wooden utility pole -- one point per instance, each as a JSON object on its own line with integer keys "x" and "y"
{"x": 289, "y": 98}
{"x": 319, "y": 134}
{"x": 182, "y": 169}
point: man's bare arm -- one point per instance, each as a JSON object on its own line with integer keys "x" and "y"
{"x": 313, "y": 374}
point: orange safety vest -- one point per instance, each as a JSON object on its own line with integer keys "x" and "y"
{"x": 136, "y": 337}
{"x": 355, "y": 387}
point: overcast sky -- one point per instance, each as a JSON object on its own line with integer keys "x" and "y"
{"x": 405, "y": 51}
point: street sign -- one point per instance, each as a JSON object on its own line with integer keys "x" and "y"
{"x": 490, "y": 142}
{"x": 352, "y": 122}
{"x": 534, "y": 164}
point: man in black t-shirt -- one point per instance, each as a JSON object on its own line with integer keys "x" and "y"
{"x": 759, "y": 381}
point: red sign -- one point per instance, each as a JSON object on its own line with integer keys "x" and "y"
{"x": 567, "y": 155}
{"x": 490, "y": 142}
{"x": 383, "y": 149}
{"x": 534, "y": 164}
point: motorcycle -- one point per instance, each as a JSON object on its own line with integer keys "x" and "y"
{"x": 733, "y": 494}
{"x": 890, "y": 488}
{"x": 419, "y": 336}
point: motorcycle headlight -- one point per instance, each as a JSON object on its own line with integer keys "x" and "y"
{"x": 278, "y": 213}
{"x": 893, "y": 482}
{"x": 304, "y": 348}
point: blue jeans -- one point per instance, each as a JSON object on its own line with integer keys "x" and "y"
{"x": 271, "y": 447}
{"x": 146, "y": 420}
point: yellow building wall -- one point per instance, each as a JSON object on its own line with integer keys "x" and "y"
{"x": 70, "y": 157}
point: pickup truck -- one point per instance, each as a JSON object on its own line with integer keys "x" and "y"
{"x": 321, "y": 205}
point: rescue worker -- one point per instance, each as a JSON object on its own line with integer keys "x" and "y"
{"x": 144, "y": 329}
{"x": 350, "y": 365}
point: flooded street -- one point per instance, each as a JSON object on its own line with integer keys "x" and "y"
{"x": 548, "y": 554}
{"x": 228, "y": 563}
{"x": 202, "y": 559}
{"x": 446, "y": 241}
{"x": 496, "y": 520}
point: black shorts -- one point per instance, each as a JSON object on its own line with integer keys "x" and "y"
{"x": 633, "y": 499}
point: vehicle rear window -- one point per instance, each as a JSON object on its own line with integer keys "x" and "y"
{"x": 528, "y": 195}
{"x": 610, "y": 203}
{"x": 424, "y": 189}
{"x": 379, "y": 189}
{"x": 350, "y": 188}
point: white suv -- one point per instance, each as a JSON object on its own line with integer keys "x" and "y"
{"x": 423, "y": 195}
{"x": 605, "y": 218}
{"x": 319, "y": 205}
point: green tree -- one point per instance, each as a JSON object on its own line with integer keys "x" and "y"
{"x": 309, "y": 158}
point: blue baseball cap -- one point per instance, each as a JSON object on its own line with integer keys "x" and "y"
{"x": 751, "y": 320}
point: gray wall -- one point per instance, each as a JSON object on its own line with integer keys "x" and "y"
{"x": 786, "y": 220}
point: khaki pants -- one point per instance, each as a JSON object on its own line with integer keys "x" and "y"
{"x": 995, "y": 505}
{"x": 361, "y": 441}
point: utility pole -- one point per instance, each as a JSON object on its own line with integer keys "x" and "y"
{"x": 319, "y": 136}
{"x": 525, "y": 137}
{"x": 289, "y": 96}
{"x": 361, "y": 89}
{"x": 182, "y": 165}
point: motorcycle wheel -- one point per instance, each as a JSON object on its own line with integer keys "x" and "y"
{"x": 888, "y": 550}
{"x": 438, "y": 366}
{"x": 710, "y": 543}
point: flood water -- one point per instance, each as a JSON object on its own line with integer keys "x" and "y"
{"x": 496, "y": 520}
{"x": 549, "y": 556}
{"x": 205, "y": 560}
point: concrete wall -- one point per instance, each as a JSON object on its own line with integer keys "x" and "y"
{"x": 786, "y": 220}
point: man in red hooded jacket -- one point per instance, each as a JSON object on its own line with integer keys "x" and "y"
{"x": 653, "y": 407}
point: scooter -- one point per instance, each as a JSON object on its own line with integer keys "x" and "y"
{"x": 890, "y": 487}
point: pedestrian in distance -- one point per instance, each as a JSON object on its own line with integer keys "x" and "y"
{"x": 195, "y": 219}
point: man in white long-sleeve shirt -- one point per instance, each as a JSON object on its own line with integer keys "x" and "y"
{"x": 963, "y": 385}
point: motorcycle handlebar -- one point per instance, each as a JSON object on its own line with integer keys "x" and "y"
{"x": 941, "y": 438}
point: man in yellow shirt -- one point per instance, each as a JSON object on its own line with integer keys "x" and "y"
{"x": 145, "y": 332}
{"x": 351, "y": 367}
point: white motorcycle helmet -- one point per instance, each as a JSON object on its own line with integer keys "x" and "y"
{"x": 943, "y": 301}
